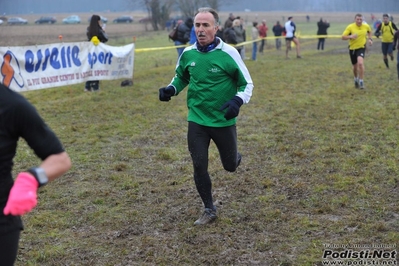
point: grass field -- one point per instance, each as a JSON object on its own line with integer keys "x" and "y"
{"x": 320, "y": 164}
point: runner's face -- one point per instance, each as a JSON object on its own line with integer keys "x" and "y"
{"x": 386, "y": 20}
{"x": 359, "y": 21}
{"x": 205, "y": 28}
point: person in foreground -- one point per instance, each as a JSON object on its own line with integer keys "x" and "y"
{"x": 357, "y": 34}
{"x": 218, "y": 84}
{"x": 18, "y": 118}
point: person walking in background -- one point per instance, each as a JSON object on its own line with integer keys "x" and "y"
{"x": 396, "y": 45}
{"x": 218, "y": 84}
{"x": 183, "y": 34}
{"x": 278, "y": 31}
{"x": 387, "y": 31}
{"x": 262, "y": 34}
{"x": 290, "y": 29}
{"x": 357, "y": 34}
{"x": 255, "y": 38}
{"x": 322, "y": 27}
{"x": 240, "y": 34}
{"x": 19, "y": 119}
{"x": 95, "y": 33}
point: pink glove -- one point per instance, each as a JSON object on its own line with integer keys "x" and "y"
{"x": 22, "y": 198}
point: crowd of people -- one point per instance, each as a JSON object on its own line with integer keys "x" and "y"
{"x": 233, "y": 32}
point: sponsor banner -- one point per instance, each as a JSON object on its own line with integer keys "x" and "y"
{"x": 25, "y": 68}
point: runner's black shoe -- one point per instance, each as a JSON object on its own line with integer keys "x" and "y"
{"x": 207, "y": 217}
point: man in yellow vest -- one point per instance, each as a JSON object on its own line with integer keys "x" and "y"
{"x": 386, "y": 30}
{"x": 357, "y": 34}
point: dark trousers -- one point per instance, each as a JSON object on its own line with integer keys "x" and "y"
{"x": 9, "y": 247}
{"x": 320, "y": 44}
{"x": 262, "y": 45}
{"x": 92, "y": 85}
{"x": 199, "y": 138}
{"x": 278, "y": 43}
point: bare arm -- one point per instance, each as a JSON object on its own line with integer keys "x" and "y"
{"x": 56, "y": 165}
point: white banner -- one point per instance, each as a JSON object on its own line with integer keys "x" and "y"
{"x": 24, "y": 68}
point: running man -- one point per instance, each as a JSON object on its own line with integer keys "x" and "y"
{"x": 357, "y": 34}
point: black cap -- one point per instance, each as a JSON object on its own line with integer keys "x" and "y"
{"x": 290, "y": 18}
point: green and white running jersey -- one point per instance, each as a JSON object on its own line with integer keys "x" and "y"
{"x": 213, "y": 78}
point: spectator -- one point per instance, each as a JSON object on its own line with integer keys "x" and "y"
{"x": 183, "y": 34}
{"x": 229, "y": 21}
{"x": 19, "y": 119}
{"x": 357, "y": 34}
{"x": 377, "y": 23}
{"x": 278, "y": 31}
{"x": 240, "y": 33}
{"x": 290, "y": 29}
{"x": 229, "y": 35}
{"x": 214, "y": 98}
{"x": 96, "y": 31}
{"x": 322, "y": 30}
{"x": 387, "y": 30}
{"x": 262, "y": 34}
{"x": 245, "y": 36}
{"x": 255, "y": 37}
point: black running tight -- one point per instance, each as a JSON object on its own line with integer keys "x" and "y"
{"x": 199, "y": 138}
{"x": 9, "y": 247}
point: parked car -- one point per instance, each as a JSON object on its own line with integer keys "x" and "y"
{"x": 103, "y": 19}
{"x": 74, "y": 19}
{"x": 46, "y": 20}
{"x": 123, "y": 19}
{"x": 1, "y": 22}
{"x": 16, "y": 21}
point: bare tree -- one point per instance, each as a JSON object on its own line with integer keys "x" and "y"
{"x": 159, "y": 12}
{"x": 189, "y": 7}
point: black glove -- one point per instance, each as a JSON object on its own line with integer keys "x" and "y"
{"x": 233, "y": 107}
{"x": 166, "y": 93}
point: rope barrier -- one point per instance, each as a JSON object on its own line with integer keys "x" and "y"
{"x": 242, "y": 43}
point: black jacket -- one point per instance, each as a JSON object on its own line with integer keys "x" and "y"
{"x": 102, "y": 36}
{"x": 322, "y": 27}
{"x": 278, "y": 29}
{"x": 184, "y": 30}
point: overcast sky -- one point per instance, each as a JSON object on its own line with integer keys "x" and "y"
{"x": 83, "y": 6}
